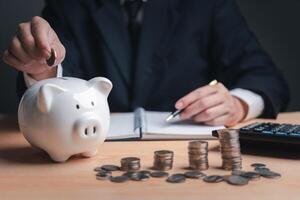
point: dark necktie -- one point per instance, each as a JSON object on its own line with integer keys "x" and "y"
{"x": 132, "y": 8}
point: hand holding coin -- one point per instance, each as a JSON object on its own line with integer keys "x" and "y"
{"x": 34, "y": 48}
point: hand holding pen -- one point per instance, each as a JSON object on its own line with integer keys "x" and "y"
{"x": 212, "y": 105}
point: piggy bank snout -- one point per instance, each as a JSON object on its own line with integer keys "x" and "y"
{"x": 87, "y": 126}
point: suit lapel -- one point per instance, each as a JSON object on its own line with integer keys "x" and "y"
{"x": 109, "y": 20}
{"x": 160, "y": 18}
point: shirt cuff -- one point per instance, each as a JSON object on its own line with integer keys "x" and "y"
{"x": 29, "y": 81}
{"x": 254, "y": 101}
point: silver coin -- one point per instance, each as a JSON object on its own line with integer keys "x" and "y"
{"x": 269, "y": 174}
{"x": 258, "y": 165}
{"x": 259, "y": 169}
{"x": 103, "y": 175}
{"x": 176, "y": 178}
{"x": 213, "y": 179}
{"x": 159, "y": 174}
{"x": 194, "y": 174}
{"x": 146, "y": 172}
{"x": 110, "y": 167}
{"x": 140, "y": 177}
{"x": 130, "y": 174}
{"x": 98, "y": 169}
{"x": 237, "y": 180}
{"x": 119, "y": 179}
{"x": 250, "y": 175}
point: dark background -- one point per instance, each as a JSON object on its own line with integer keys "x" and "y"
{"x": 275, "y": 22}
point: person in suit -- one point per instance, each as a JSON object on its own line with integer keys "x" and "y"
{"x": 157, "y": 53}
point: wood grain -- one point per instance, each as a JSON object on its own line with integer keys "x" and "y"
{"x": 28, "y": 174}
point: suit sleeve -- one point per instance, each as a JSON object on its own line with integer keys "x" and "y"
{"x": 53, "y": 12}
{"x": 240, "y": 61}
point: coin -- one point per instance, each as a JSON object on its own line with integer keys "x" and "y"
{"x": 130, "y": 164}
{"x": 198, "y": 155}
{"x": 146, "y": 172}
{"x": 159, "y": 174}
{"x": 119, "y": 179}
{"x": 230, "y": 149}
{"x": 98, "y": 169}
{"x": 237, "y": 180}
{"x": 140, "y": 177}
{"x": 176, "y": 178}
{"x": 110, "y": 167}
{"x": 259, "y": 169}
{"x": 258, "y": 165}
{"x": 213, "y": 179}
{"x": 103, "y": 175}
{"x": 194, "y": 174}
{"x": 250, "y": 175}
{"x": 163, "y": 160}
{"x": 269, "y": 174}
{"x": 51, "y": 61}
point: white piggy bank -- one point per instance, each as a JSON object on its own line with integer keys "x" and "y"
{"x": 66, "y": 116}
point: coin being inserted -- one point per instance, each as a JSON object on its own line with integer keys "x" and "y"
{"x": 51, "y": 61}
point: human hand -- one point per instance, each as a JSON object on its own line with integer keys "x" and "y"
{"x": 31, "y": 47}
{"x": 212, "y": 105}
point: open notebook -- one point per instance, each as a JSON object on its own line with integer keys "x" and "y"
{"x": 149, "y": 125}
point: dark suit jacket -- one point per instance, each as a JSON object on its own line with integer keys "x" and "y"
{"x": 184, "y": 44}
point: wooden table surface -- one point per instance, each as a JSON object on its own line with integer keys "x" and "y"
{"x": 27, "y": 174}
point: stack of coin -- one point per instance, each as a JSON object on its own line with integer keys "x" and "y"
{"x": 198, "y": 155}
{"x": 230, "y": 149}
{"x": 130, "y": 164}
{"x": 163, "y": 160}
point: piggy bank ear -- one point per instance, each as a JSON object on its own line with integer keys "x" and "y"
{"x": 46, "y": 95}
{"x": 102, "y": 84}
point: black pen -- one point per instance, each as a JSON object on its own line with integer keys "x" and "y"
{"x": 177, "y": 112}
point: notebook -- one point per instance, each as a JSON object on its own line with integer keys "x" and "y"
{"x": 150, "y": 125}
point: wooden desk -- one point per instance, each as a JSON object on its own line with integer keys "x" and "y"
{"x": 26, "y": 174}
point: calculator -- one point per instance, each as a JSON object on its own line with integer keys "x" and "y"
{"x": 271, "y": 132}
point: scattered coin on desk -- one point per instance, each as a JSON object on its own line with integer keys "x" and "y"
{"x": 213, "y": 179}
{"x": 119, "y": 179}
{"x": 237, "y": 180}
{"x": 198, "y": 161}
{"x": 110, "y": 167}
{"x": 159, "y": 174}
{"x": 176, "y": 178}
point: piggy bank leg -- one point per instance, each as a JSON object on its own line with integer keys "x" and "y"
{"x": 90, "y": 153}
{"x": 58, "y": 157}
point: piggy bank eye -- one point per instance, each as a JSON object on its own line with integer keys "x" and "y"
{"x": 92, "y": 103}
{"x": 77, "y": 106}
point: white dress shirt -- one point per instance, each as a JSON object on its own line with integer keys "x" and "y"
{"x": 254, "y": 101}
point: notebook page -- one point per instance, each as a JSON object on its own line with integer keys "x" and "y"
{"x": 159, "y": 128}
{"x": 122, "y": 126}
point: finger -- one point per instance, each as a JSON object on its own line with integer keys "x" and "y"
{"x": 221, "y": 120}
{"x": 60, "y": 52}
{"x": 17, "y": 50}
{"x": 11, "y": 60}
{"x": 195, "y": 95}
{"x": 211, "y": 113}
{"x": 40, "y": 29}
{"x": 202, "y": 104}
{"x": 27, "y": 41}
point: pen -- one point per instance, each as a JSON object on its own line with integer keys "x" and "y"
{"x": 177, "y": 112}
